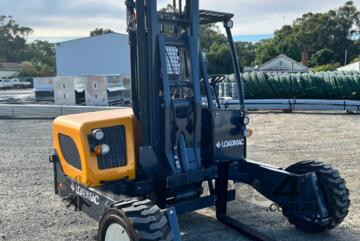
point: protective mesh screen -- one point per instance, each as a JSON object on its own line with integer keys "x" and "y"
{"x": 173, "y": 60}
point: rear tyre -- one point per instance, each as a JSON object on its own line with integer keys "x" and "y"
{"x": 134, "y": 220}
{"x": 335, "y": 192}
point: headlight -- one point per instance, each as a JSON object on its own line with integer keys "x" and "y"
{"x": 247, "y": 132}
{"x": 229, "y": 24}
{"x": 102, "y": 150}
{"x": 98, "y": 134}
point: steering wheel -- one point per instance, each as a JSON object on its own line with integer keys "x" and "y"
{"x": 214, "y": 80}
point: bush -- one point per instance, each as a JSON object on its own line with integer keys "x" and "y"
{"x": 322, "y": 57}
{"x": 355, "y": 60}
{"x": 326, "y": 67}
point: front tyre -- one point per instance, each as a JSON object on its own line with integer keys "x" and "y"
{"x": 134, "y": 220}
{"x": 335, "y": 193}
{"x": 115, "y": 226}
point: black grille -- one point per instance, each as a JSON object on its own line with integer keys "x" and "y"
{"x": 115, "y": 138}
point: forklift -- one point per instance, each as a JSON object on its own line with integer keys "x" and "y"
{"x": 135, "y": 169}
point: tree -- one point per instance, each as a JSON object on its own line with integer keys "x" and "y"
{"x": 322, "y": 57}
{"x": 46, "y": 71}
{"x": 100, "y": 31}
{"x": 28, "y": 69}
{"x": 285, "y": 43}
{"x": 246, "y": 53}
{"x": 12, "y": 39}
{"x": 333, "y": 30}
{"x": 38, "y": 57}
{"x": 41, "y": 52}
{"x": 312, "y": 32}
{"x": 219, "y": 59}
{"x": 218, "y": 54}
{"x": 265, "y": 50}
{"x": 210, "y": 35}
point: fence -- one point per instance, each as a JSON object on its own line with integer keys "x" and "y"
{"x": 45, "y": 111}
{"x": 295, "y": 104}
{"x": 53, "y": 111}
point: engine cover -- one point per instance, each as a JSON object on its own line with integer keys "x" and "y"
{"x": 75, "y": 144}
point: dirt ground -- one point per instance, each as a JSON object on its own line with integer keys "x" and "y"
{"x": 30, "y": 211}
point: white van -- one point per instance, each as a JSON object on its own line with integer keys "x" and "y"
{"x": 4, "y": 83}
{"x": 16, "y": 83}
{"x": 7, "y": 83}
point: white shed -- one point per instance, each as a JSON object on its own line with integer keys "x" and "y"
{"x": 107, "y": 54}
{"x": 283, "y": 63}
{"x": 350, "y": 67}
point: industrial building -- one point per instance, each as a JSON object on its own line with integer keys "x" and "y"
{"x": 91, "y": 70}
{"x": 107, "y": 54}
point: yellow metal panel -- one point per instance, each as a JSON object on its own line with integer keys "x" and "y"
{"x": 78, "y": 127}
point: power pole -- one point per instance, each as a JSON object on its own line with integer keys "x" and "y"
{"x": 283, "y": 37}
{"x": 346, "y": 55}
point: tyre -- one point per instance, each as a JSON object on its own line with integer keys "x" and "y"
{"x": 335, "y": 193}
{"x": 134, "y": 220}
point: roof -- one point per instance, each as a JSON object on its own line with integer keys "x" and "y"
{"x": 10, "y": 66}
{"x": 207, "y": 16}
{"x": 286, "y": 57}
{"x": 350, "y": 67}
{"x": 92, "y": 37}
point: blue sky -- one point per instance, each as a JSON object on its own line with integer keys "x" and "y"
{"x": 252, "y": 37}
{"x": 58, "y": 20}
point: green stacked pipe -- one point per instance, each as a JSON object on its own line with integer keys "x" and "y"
{"x": 326, "y": 85}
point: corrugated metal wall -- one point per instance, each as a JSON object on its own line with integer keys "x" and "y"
{"x": 107, "y": 54}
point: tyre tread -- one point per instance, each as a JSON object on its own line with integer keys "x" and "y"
{"x": 336, "y": 193}
{"x": 148, "y": 221}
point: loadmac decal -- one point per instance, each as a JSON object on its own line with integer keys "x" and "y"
{"x": 230, "y": 143}
{"x": 82, "y": 192}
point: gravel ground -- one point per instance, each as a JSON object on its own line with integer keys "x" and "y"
{"x": 30, "y": 211}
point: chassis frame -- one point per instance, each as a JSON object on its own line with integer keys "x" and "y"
{"x": 300, "y": 192}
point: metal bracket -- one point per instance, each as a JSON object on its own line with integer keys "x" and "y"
{"x": 244, "y": 229}
{"x": 174, "y": 224}
{"x": 221, "y": 187}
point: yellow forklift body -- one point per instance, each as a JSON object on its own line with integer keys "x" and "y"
{"x": 72, "y": 140}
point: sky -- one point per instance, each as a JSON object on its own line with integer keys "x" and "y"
{"x": 60, "y": 20}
